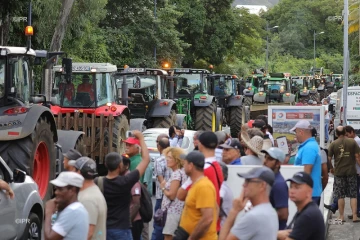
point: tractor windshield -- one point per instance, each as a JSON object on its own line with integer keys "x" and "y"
{"x": 2, "y": 77}
{"x": 298, "y": 82}
{"x": 85, "y": 90}
{"x": 145, "y": 85}
{"x": 19, "y": 73}
{"x": 188, "y": 83}
{"x": 224, "y": 87}
{"x": 276, "y": 86}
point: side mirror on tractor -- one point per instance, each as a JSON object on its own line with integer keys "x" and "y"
{"x": 19, "y": 176}
{"x": 67, "y": 68}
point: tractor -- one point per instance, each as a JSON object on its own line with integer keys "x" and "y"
{"x": 338, "y": 80}
{"x": 144, "y": 98}
{"x": 85, "y": 98}
{"x": 252, "y": 85}
{"x": 275, "y": 90}
{"x": 229, "y": 103}
{"x": 196, "y": 109}
{"x": 304, "y": 88}
{"x": 30, "y": 141}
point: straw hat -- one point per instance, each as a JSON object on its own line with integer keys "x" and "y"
{"x": 267, "y": 144}
{"x": 255, "y": 143}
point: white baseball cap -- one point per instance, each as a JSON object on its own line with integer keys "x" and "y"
{"x": 68, "y": 179}
{"x": 303, "y": 124}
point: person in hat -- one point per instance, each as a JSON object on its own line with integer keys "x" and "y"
{"x": 267, "y": 128}
{"x": 71, "y": 155}
{"x": 133, "y": 150}
{"x": 308, "y": 155}
{"x": 261, "y": 222}
{"x": 279, "y": 195}
{"x": 252, "y": 148}
{"x": 308, "y": 222}
{"x": 200, "y": 214}
{"x": 212, "y": 170}
{"x": 73, "y": 221}
{"x": 92, "y": 198}
{"x": 231, "y": 152}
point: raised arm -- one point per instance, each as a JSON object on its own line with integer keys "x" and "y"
{"x": 144, "y": 153}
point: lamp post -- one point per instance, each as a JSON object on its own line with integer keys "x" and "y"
{"x": 155, "y": 19}
{"x": 315, "y": 48}
{"x": 267, "y": 43}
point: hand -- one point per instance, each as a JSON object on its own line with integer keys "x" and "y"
{"x": 178, "y": 132}
{"x": 162, "y": 184}
{"x": 182, "y": 132}
{"x": 138, "y": 134}
{"x": 283, "y": 234}
{"x": 10, "y": 193}
{"x": 240, "y": 202}
{"x": 332, "y": 170}
{"x": 50, "y": 206}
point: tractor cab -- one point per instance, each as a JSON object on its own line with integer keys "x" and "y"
{"x": 221, "y": 85}
{"x": 338, "y": 80}
{"x": 276, "y": 88}
{"x": 91, "y": 85}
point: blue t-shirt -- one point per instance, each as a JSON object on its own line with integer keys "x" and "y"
{"x": 236, "y": 162}
{"x": 309, "y": 153}
{"x": 279, "y": 196}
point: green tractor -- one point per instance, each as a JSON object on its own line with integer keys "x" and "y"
{"x": 338, "y": 80}
{"x": 143, "y": 95}
{"x": 252, "y": 85}
{"x": 275, "y": 90}
{"x": 196, "y": 109}
{"x": 304, "y": 88}
{"x": 229, "y": 101}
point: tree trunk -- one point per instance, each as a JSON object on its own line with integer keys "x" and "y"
{"x": 5, "y": 29}
{"x": 61, "y": 25}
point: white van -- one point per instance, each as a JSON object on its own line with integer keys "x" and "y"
{"x": 352, "y": 105}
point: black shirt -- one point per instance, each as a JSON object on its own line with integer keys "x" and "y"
{"x": 117, "y": 193}
{"x": 308, "y": 224}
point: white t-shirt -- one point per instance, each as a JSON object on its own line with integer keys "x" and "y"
{"x": 271, "y": 138}
{"x": 327, "y": 115}
{"x": 227, "y": 196}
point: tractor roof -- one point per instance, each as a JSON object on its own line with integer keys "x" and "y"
{"x": 143, "y": 71}
{"x": 90, "y": 67}
{"x": 187, "y": 71}
{"x": 17, "y": 50}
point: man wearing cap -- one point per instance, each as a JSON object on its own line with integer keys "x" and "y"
{"x": 261, "y": 222}
{"x": 200, "y": 213}
{"x": 117, "y": 191}
{"x": 308, "y": 155}
{"x": 212, "y": 170}
{"x": 92, "y": 198}
{"x": 71, "y": 155}
{"x": 231, "y": 151}
{"x": 279, "y": 194}
{"x": 72, "y": 222}
{"x": 308, "y": 222}
{"x": 133, "y": 150}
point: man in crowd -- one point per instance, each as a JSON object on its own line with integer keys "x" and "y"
{"x": 279, "y": 194}
{"x": 92, "y": 198}
{"x": 327, "y": 119}
{"x": 308, "y": 222}
{"x": 308, "y": 155}
{"x": 117, "y": 187}
{"x": 261, "y": 222}
{"x": 231, "y": 151}
{"x": 162, "y": 172}
{"x": 226, "y": 195}
{"x": 346, "y": 153}
{"x": 71, "y": 156}
{"x": 200, "y": 212}
{"x": 72, "y": 222}
{"x": 221, "y": 136}
{"x": 176, "y": 136}
{"x": 133, "y": 150}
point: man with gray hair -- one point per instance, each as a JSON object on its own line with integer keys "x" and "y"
{"x": 261, "y": 222}
{"x": 196, "y": 139}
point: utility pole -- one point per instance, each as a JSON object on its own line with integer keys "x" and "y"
{"x": 346, "y": 59}
{"x": 155, "y": 19}
{"x": 315, "y": 48}
{"x": 267, "y": 43}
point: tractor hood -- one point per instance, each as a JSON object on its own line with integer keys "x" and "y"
{"x": 114, "y": 109}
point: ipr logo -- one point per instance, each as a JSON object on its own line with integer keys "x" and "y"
{"x": 22, "y": 220}
{"x": 335, "y": 222}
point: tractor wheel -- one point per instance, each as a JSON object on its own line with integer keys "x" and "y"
{"x": 314, "y": 97}
{"x": 205, "y": 119}
{"x": 235, "y": 120}
{"x": 121, "y": 126}
{"x": 33, "y": 228}
{"x": 248, "y": 101}
{"x": 165, "y": 122}
{"x": 34, "y": 154}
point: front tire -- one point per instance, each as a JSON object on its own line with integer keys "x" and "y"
{"x": 235, "y": 120}
{"x": 165, "y": 122}
{"x": 205, "y": 119}
{"x": 33, "y": 228}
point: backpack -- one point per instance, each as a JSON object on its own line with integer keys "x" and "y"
{"x": 146, "y": 207}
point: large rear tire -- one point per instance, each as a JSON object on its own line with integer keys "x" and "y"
{"x": 235, "y": 120}
{"x": 165, "y": 122}
{"x": 205, "y": 118}
{"x": 314, "y": 97}
{"x": 248, "y": 101}
{"x": 121, "y": 126}
{"x": 35, "y": 155}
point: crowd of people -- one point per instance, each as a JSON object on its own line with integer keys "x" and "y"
{"x": 193, "y": 199}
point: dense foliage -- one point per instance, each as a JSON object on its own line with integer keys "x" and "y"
{"x": 190, "y": 33}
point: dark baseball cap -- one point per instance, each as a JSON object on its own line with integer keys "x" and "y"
{"x": 72, "y": 154}
{"x": 195, "y": 157}
{"x": 231, "y": 144}
{"x": 258, "y": 123}
{"x": 302, "y": 178}
{"x": 263, "y": 173}
{"x": 208, "y": 140}
{"x": 86, "y": 165}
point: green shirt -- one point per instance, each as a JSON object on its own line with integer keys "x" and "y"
{"x": 148, "y": 178}
{"x": 134, "y": 162}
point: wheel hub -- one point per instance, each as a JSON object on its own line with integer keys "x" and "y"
{"x": 33, "y": 231}
{"x": 42, "y": 168}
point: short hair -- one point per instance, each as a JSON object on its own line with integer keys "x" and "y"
{"x": 171, "y": 130}
{"x": 175, "y": 152}
{"x": 164, "y": 142}
{"x": 126, "y": 161}
{"x": 112, "y": 161}
{"x": 349, "y": 129}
